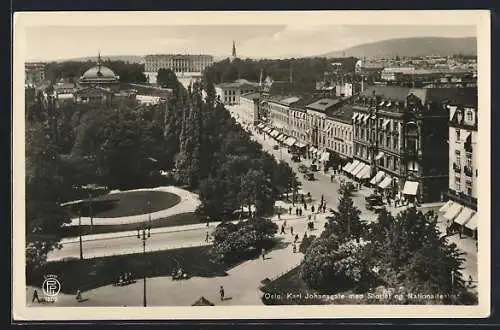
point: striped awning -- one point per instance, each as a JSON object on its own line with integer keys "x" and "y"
{"x": 364, "y": 173}
{"x": 290, "y": 141}
{"x": 347, "y": 167}
{"x": 377, "y": 178}
{"x": 410, "y": 188}
{"x": 354, "y": 164}
{"x": 446, "y": 206}
{"x": 355, "y": 116}
{"x": 472, "y": 223}
{"x": 365, "y": 117}
{"x": 274, "y": 133}
{"x": 464, "y": 216}
{"x": 300, "y": 145}
{"x": 385, "y": 183}
{"x": 358, "y": 168}
{"x": 453, "y": 211}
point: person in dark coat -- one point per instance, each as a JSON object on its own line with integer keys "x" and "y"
{"x": 221, "y": 292}
{"x": 290, "y": 210}
{"x": 312, "y": 208}
{"x": 35, "y": 297}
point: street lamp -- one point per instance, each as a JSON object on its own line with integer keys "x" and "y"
{"x": 143, "y": 234}
{"x": 80, "y": 229}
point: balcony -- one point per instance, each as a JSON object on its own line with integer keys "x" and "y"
{"x": 467, "y": 171}
{"x": 457, "y": 168}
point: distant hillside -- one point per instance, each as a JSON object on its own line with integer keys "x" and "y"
{"x": 422, "y": 46}
{"x": 125, "y": 58}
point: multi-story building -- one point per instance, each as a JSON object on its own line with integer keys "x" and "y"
{"x": 229, "y": 93}
{"x": 34, "y": 73}
{"x": 461, "y": 206}
{"x": 338, "y": 134}
{"x": 181, "y": 64}
{"x": 401, "y": 135}
{"x": 279, "y": 108}
{"x": 249, "y": 104}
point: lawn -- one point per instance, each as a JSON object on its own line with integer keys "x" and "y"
{"x": 128, "y": 204}
{"x": 181, "y": 219}
{"x": 89, "y": 274}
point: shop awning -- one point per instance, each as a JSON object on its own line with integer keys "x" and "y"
{"x": 365, "y": 117}
{"x": 347, "y": 167}
{"x": 364, "y": 173}
{"x": 355, "y": 116}
{"x": 325, "y": 156}
{"x": 472, "y": 223}
{"x": 453, "y": 211}
{"x": 267, "y": 129}
{"x": 358, "y": 168}
{"x": 385, "y": 183}
{"x": 274, "y": 133}
{"x": 464, "y": 216}
{"x": 379, "y": 155}
{"x": 290, "y": 141}
{"x": 279, "y": 136}
{"x": 300, "y": 145}
{"x": 260, "y": 125}
{"x": 446, "y": 206}
{"x": 410, "y": 188}
{"x": 354, "y": 164}
{"x": 377, "y": 178}
{"x": 386, "y": 122}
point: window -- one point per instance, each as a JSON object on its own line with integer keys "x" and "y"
{"x": 396, "y": 164}
{"x": 469, "y": 115}
{"x": 457, "y": 157}
{"x": 457, "y": 134}
{"x": 468, "y": 159}
{"x": 457, "y": 183}
{"x": 468, "y": 186}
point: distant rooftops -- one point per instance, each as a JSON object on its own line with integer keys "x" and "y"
{"x": 323, "y": 104}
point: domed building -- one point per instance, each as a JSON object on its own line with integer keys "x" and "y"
{"x": 99, "y": 76}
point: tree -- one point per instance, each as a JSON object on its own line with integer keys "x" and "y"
{"x": 233, "y": 242}
{"x": 46, "y": 188}
{"x": 166, "y": 78}
{"x": 346, "y": 224}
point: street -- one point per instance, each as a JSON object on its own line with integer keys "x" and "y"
{"x": 322, "y": 186}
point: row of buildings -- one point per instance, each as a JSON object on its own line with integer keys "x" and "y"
{"x": 418, "y": 143}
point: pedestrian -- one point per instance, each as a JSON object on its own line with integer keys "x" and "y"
{"x": 300, "y": 212}
{"x": 322, "y": 198}
{"x": 206, "y": 238}
{"x": 294, "y": 248}
{"x": 221, "y": 291}
{"x": 290, "y": 210}
{"x": 208, "y": 223}
{"x": 297, "y": 211}
{"x": 78, "y": 295}
{"x": 305, "y": 207}
{"x": 35, "y": 297}
{"x": 324, "y": 208}
{"x": 279, "y": 216}
{"x": 284, "y": 223}
{"x": 331, "y": 178}
{"x": 282, "y": 230}
{"x": 312, "y": 208}
{"x": 309, "y": 217}
{"x": 305, "y": 236}
{"x": 296, "y": 237}
{"x": 291, "y": 230}
{"x": 263, "y": 254}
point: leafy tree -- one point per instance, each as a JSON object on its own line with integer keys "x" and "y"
{"x": 167, "y": 78}
{"x": 347, "y": 223}
{"x": 243, "y": 240}
{"x": 46, "y": 188}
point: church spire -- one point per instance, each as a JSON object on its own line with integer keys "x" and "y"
{"x": 99, "y": 60}
{"x": 234, "y": 50}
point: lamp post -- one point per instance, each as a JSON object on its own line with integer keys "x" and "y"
{"x": 90, "y": 211}
{"x": 143, "y": 234}
{"x": 80, "y": 229}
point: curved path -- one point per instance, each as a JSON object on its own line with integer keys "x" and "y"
{"x": 189, "y": 202}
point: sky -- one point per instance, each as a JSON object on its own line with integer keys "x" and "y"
{"x": 46, "y": 43}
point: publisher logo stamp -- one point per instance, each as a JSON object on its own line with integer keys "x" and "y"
{"x": 51, "y": 287}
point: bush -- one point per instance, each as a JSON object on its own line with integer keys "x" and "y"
{"x": 305, "y": 243}
{"x": 242, "y": 241}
